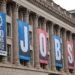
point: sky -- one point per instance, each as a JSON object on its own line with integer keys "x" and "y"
{"x": 66, "y": 4}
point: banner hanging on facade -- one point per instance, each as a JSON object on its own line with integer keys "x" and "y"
{"x": 70, "y": 54}
{"x": 43, "y": 52}
{"x": 58, "y": 51}
{"x": 23, "y": 38}
{"x": 3, "y": 51}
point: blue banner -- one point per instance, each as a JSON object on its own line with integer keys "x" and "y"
{"x": 23, "y": 37}
{"x": 3, "y": 51}
{"x": 58, "y": 51}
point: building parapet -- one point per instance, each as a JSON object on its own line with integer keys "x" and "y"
{"x": 51, "y": 6}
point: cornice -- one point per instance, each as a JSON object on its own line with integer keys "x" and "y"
{"x": 54, "y": 9}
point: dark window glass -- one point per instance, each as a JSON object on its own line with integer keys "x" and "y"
{"x": 8, "y": 29}
{"x": 9, "y": 52}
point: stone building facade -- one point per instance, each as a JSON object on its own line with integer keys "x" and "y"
{"x": 46, "y": 16}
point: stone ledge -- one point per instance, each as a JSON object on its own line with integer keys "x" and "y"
{"x": 13, "y": 66}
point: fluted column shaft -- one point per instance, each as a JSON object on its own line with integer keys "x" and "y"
{"x": 58, "y": 31}
{"x": 35, "y": 43}
{"x": 64, "y": 51}
{"x": 26, "y": 16}
{"x": 72, "y": 41}
{"x": 15, "y": 34}
{"x": 74, "y": 51}
{"x": 31, "y": 23}
{"x": 10, "y": 14}
{"x": 26, "y": 19}
{"x": 49, "y": 47}
{"x": 53, "y": 67}
{"x": 44, "y": 28}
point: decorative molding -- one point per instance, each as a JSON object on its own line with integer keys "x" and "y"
{"x": 52, "y": 8}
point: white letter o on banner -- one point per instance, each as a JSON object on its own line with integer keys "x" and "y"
{"x": 42, "y": 44}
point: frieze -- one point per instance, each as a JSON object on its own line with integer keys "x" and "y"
{"x": 54, "y": 9}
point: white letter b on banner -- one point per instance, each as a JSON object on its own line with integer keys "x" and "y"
{"x": 57, "y": 49}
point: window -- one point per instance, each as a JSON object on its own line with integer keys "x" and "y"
{"x": 31, "y": 54}
{"x": 8, "y": 52}
{"x": 30, "y": 38}
{"x": 8, "y": 29}
{"x": 8, "y": 9}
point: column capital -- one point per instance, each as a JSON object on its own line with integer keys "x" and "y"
{"x": 44, "y": 23}
{"x": 52, "y": 29}
{"x": 58, "y": 30}
{"x": 59, "y": 27}
{"x": 26, "y": 15}
{"x": 70, "y": 35}
{"x": 45, "y": 20}
{"x": 3, "y": 5}
{"x": 52, "y": 24}
{"x": 36, "y": 16}
{"x": 64, "y": 31}
{"x": 26, "y": 12}
{"x": 15, "y": 7}
{"x": 3, "y": 1}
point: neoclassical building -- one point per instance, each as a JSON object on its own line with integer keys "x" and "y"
{"x": 37, "y": 37}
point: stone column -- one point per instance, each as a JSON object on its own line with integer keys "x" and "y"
{"x": 49, "y": 47}
{"x": 31, "y": 23}
{"x": 26, "y": 19}
{"x": 3, "y": 9}
{"x": 64, "y": 51}
{"x": 26, "y": 16}
{"x": 21, "y": 15}
{"x": 10, "y": 14}
{"x": 74, "y": 51}
{"x": 53, "y": 67}
{"x": 35, "y": 42}
{"x": 58, "y": 31}
{"x": 3, "y": 5}
{"x": 15, "y": 34}
{"x": 44, "y": 28}
{"x": 71, "y": 39}
{"x": 44, "y": 24}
